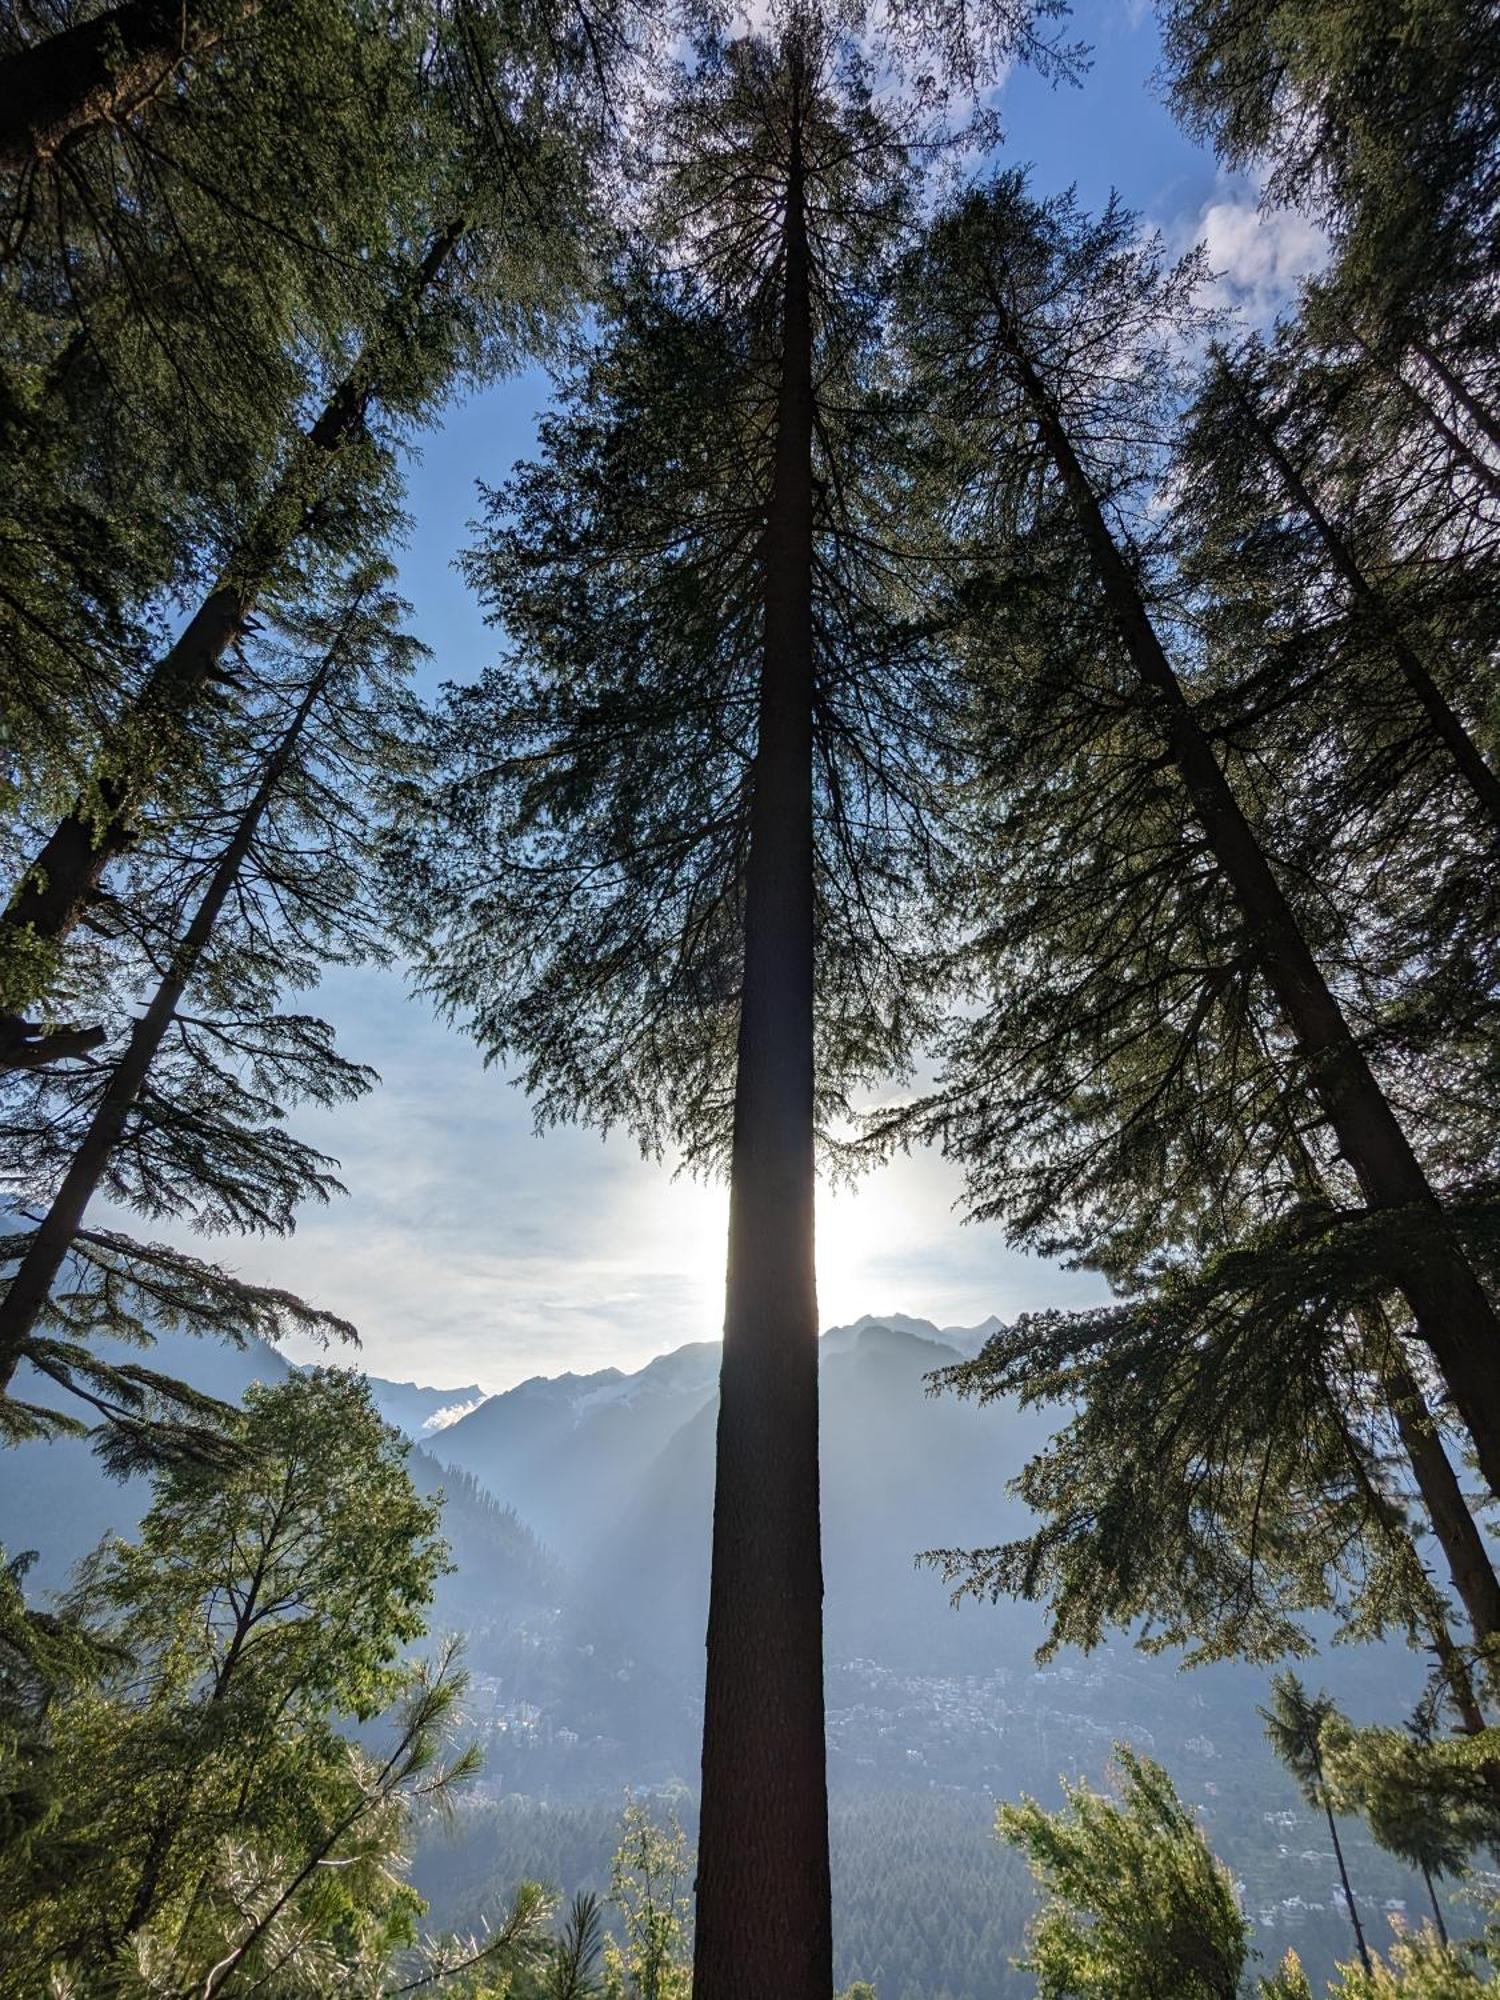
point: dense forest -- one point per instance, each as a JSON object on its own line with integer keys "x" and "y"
{"x": 955, "y": 686}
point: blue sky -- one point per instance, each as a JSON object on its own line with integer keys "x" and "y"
{"x": 471, "y": 1250}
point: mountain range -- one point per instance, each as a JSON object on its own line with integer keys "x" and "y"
{"x": 579, "y": 1511}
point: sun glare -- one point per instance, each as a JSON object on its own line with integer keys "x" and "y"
{"x": 858, "y": 1232}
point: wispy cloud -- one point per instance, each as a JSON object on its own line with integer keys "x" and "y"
{"x": 1258, "y": 257}
{"x": 470, "y": 1249}
{"x": 450, "y": 1414}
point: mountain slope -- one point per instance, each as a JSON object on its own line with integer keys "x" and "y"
{"x": 55, "y": 1498}
{"x": 419, "y": 1411}
{"x": 589, "y": 1680}
{"x": 568, "y": 1450}
{"x": 901, "y": 1472}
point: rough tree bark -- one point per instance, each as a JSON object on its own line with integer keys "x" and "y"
{"x": 1452, "y": 1311}
{"x": 763, "y": 1922}
{"x": 102, "y": 71}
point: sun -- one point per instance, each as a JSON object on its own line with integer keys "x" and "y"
{"x": 859, "y": 1232}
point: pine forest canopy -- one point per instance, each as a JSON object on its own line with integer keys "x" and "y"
{"x": 945, "y": 663}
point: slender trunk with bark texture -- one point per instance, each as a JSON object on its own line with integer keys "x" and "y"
{"x": 1349, "y": 1902}
{"x": 1452, "y": 1311}
{"x": 101, "y": 72}
{"x": 1470, "y": 1569}
{"x": 1445, "y": 724}
{"x": 30, "y": 1288}
{"x": 763, "y": 1903}
{"x": 63, "y": 879}
{"x": 1457, "y": 1532}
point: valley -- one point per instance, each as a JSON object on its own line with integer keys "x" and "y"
{"x": 578, "y": 1512}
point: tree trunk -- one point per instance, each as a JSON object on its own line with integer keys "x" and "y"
{"x": 1473, "y": 409}
{"x": 1437, "y": 1910}
{"x": 763, "y": 1901}
{"x": 31, "y": 1287}
{"x": 1452, "y": 1311}
{"x": 1350, "y": 1904}
{"x": 59, "y": 884}
{"x": 1482, "y": 470}
{"x": 1443, "y": 721}
{"x": 101, "y": 72}
{"x": 1470, "y": 1569}
{"x": 1464, "y": 1550}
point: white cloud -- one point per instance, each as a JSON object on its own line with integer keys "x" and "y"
{"x": 450, "y": 1414}
{"x": 471, "y": 1250}
{"x": 1257, "y": 256}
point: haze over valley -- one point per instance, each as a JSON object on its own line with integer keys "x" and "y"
{"x": 578, "y": 1509}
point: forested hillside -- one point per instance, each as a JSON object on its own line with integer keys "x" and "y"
{"x": 971, "y": 669}
{"x": 585, "y": 1663}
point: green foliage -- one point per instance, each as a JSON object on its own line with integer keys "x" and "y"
{"x": 1129, "y": 1089}
{"x": 275, "y": 878}
{"x": 1224, "y": 1469}
{"x": 1416, "y": 1968}
{"x": 1431, "y": 1801}
{"x": 207, "y": 1811}
{"x": 1135, "y": 1902}
{"x": 44, "y": 1657}
{"x": 1287, "y": 1982}
{"x": 578, "y": 1952}
{"x": 573, "y": 890}
{"x": 650, "y": 1884}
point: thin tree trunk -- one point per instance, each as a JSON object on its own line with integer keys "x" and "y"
{"x": 1482, "y": 470}
{"x": 1470, "y": 1569}
{"x": 1449, "y": 1656}
{"x": 1473, "y": 409}
{"x": 763, "y": 1902}
{"x": 101, "y": 71}
{"x": 31, "y": 1287}
{"x": 1446, "y": 725}
{"x": 1450, "y": 1306}
{"x": 58, "y": 886}
{"x": 1457, "y": 1532}
{"x": 1437, "y": 1910}
{"x": 1352, "y": 1906}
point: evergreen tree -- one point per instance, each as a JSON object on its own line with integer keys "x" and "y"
{"x": 1348, "y": 619}
{"x": 692, "y": 840}
{"x": 1022, "y": 305}
{"x": 1424, "y": 1804}
{"x": 1136, "y": 1903}
{"x": 480, "y": 257}
{"x": 573, "y": 1973}
{"x": 1236, "y": 394}
{"x": 1383, "y": 121}
{"x": 1294, "y": 1724}
{"x": 213, "y": 1827}
{"x": 166, "y": 318}
{"x": 186, "y": 1118}
{"x": 1226, "y": 1464}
